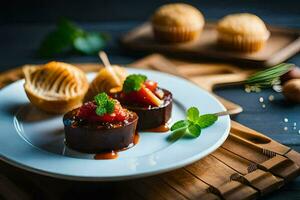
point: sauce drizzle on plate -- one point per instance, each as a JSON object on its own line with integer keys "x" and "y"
{"x": 113, "y": 154}
{"x": 106, "y": 155}
{"x": 161, "y": 129}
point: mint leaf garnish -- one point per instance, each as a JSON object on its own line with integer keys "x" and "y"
{"x": 100, "y": 111}
{"x": 178, "y": 133}
{"x": 104, "y": 104}
{"x": 192, "y": 125}
{"x": 133, "y": 82}
{"x": 101, "y": 99}
{"x": 110, "y": 106}
{"x": 194, "y": 130}
{"x": 206, "y": 120}
{"x": 179, "y": 124}
{"x": 192, "y": 114}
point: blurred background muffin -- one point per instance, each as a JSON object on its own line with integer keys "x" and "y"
{"x": 243, "y": 32}
{"x": 177, "y": 22}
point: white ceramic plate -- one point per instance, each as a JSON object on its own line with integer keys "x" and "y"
{"x": 33, "y": 140}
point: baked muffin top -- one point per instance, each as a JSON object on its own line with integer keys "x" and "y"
{"x": 243, "y": 24}
{"x": 178, "y": 15}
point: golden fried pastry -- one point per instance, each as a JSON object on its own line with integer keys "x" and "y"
{"x": 55, "y": 87}
{"x": 107, "y": 81}
{"x": 177, "y": 22}
{"x": 243, "y": 32}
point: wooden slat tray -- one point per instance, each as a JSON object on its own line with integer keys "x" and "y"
{"x": 247, "y": 166}
{"x": 282, "y": 44}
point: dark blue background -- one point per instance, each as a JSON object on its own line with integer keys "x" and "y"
{"x": 23, "y": 24}
{"x": 275, "y": 11}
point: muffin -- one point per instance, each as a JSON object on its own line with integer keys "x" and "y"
{"x": 243, "y": 32}
{"x": 177, "y": 22}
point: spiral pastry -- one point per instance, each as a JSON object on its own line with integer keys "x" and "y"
{"x": 107, "y": 81}
{"x": 55, "y": 87}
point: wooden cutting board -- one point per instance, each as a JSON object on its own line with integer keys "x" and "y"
{"x": 247, "y": 166}
{"x": 282, "y": 44}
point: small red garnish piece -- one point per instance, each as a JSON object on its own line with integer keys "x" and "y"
{"x": 88, "y": 112}
{"x": 151, "y": 85}
{"x": 148, "y": 96}
{"x": 144, "y": 96}
{"x": 121, "y": 114}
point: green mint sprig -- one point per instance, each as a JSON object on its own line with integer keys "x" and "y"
{"x": 133, "y": 82}
{"x": 68, "y": 36}
{"x": 192, "y": 125}
{"x": 104, "y": 104}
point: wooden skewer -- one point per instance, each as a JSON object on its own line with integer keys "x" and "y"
{"x": 227, "y": 112}
{"x": 104, "y": 59}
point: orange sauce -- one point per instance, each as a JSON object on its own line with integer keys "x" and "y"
{"x": 161, "y": 129}
{"x": 106, "y": 155}
{"x": 114, "y": 153}
{"x": 136, "y": 138}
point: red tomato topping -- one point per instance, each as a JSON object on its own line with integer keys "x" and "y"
{"x": 151, "y": 85}
{"x": 88, "y": 111}
{"x": 121, "y": 115}
{"x": 144, "y": 96}
{"x": 106, "y": 117}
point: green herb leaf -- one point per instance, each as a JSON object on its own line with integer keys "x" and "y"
{"x": 269, "y": 77}
{"x": 133, "y": 82}
{"x": 207, "y": 120}
{"x": 192, "y": 125}
{"x": 68, "y": 36}
{"x": 101, "y": 99}
{"x": 194, "y": 130}
{"x": 110, "y": 106}
{"x": 176, "y": 134}
{"x": 104, "y": 104}
{"x": 100, "y": 111}
{"x": 89, "y": 43}
{"x": 55, "y": 43}
{"x": 60, "y": 40}
{"x": 69, "y": 26}
{"x": 192, "y": 114}
{"x": 179, "y": 124}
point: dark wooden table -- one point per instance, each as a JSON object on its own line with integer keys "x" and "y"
{"x": 19, "y": 41}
